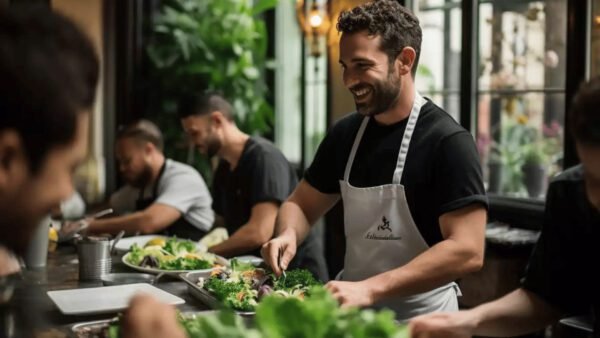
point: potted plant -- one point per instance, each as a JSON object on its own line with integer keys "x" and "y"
{"x": 218, "y": 45}
{"x": 535, "y": 163}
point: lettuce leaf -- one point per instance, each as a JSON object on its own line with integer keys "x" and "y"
{"x": 319, "y": 316}
{"x": 178, "y": 247}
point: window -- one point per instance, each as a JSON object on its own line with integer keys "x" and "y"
{"x": 595, "y": 36}
{"x": 521, "y": 94}
{"x": 438, "y": 75}
{"x": 500, "y": 68}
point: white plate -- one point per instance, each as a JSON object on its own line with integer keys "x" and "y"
{"x": 125, "y": 243}
{"x": 219, "y": 260}
{"x": 106, "y": 299}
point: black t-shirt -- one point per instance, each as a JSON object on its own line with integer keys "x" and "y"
{"x": 442, "y": 172}
{"x": 564, "y": 268}
{"x": 263, "y": 174}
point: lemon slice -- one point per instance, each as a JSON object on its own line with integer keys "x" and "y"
{"x": 52, "y": 235}
{"x": 158, "y": 241}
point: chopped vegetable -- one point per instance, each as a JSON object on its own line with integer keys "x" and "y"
{"x": 242, "y": 286}
{"x": 294, "y": 278}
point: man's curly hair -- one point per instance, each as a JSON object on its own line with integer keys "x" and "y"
{"x": 585, "y": 118}
{"x": 397, "y": 26}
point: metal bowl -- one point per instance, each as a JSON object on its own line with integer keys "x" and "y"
{"x": 127, "y": 278}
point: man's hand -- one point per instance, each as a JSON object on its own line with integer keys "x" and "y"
{"x": 351, "y": 293}
{"x": 285, "y": 244}
{"x": 443, "y": 325}
{"x": 68, "y": 229}
{"x": 147, "y": 318}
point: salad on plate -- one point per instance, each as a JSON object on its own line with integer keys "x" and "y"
{"x": 171, "y": 255}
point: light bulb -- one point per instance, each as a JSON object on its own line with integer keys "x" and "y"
{"x": 315, "y": 20}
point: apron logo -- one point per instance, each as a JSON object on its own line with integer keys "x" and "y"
{"x": 383, "y": 227}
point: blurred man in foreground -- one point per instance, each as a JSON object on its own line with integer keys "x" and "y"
{"x": 48, "y": 78}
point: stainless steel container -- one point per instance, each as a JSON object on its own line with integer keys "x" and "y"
{"x": 94, "y": 257}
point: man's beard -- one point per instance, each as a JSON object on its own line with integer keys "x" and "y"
{"x": 384, "y": 95}
{"x": 143, "y": 179}
{"x": 213, "y": 145}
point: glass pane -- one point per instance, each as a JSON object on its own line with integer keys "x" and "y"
{"x": 595, "y": 44}
{"x": 521, "y": 94}
{"x": 438, "y": 75}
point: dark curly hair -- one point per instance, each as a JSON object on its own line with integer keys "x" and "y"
{"x": 49, "y": 71}
{"x": 585, "y": 118}
{"x": 397, "y": 26}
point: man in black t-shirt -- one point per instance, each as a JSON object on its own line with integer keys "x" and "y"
{"x": 252, "y": 179}
{"x": 562, "y": 277}
{"x": 407, "y": 173}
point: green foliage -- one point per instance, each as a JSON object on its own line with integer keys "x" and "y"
{"x": 177, "y": 247}
{"x": 184, "y": 263}
{"x": 424, "y": 74}
{"x": 319, "y": 316}
{"x": 237, "y": 265}
{"x": 521, "y": 144}
{"x": 209, "y": 44}
{"x": 534, "y": 154}
{"x": 224, "y": 324}
{"x": 136, "y": 254}
{"x": 222, "y": 289}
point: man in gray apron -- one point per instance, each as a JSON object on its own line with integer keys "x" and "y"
{"x": 161, "y": 196}
{"x": 407, "y": 173}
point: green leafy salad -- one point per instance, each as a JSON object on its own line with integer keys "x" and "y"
{"x": 170, "y": 254}
{"x": 243, "y": 285}
{"x": 317, "y": 316}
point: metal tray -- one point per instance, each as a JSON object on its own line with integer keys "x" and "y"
{"x": 191, "y": 279}
{"x": 98, "y": 328}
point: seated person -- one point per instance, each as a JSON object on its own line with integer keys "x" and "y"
{"x": 161, "y": 195}
{"x": 252, "y": 179}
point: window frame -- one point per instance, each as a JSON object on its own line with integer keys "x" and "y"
{"x": 522, "y": 212}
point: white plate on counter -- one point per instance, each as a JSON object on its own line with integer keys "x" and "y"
{"x": 108, "y": 299}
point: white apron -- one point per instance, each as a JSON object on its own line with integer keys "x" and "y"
{"x": 381, "y": 234}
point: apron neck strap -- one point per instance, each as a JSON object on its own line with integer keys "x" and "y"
{"x": 419, "y": 101}
{"x": 408, "y": 132}
{"x": 155, "y": 187}
{"x": 357, "y": 139}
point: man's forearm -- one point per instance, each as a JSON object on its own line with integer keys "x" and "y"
{"x": 439, "y": 265}
{"x": 242, "y": 241}
{"x": 517, "y": 313}
{"x": 292, "y": 218}
{"x": 132, "y": 223}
